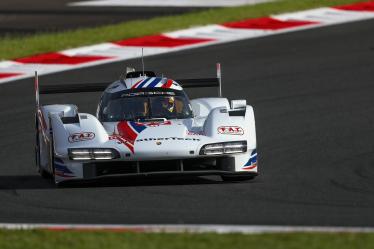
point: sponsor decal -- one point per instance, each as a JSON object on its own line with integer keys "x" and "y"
{"x": 252, "y": 162}
{"x": 231, "y": 130}
{"x": 168, "y": 139}
{"x": 156, "y": 124}
{"x": 128, "y": 131}
{"x": 80, "y": 137}
{"x": 148, "y": 93}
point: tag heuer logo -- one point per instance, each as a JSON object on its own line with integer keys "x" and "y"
{"x": 79, "y": 137}
{"x": 230, "y": 130}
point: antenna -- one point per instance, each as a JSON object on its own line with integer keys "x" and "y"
{"x": 143, "y": 61}
{"x": 219, "y": 77}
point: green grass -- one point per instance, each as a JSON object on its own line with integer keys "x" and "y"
{"x": 92, "y": 240}
{"x": 15, "y": 47}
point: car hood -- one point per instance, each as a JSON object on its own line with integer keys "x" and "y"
{"x": 171, "y": 138}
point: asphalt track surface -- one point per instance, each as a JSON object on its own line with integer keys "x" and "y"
{"x": 313, "y": 96}
{"x": 19, "y": 17}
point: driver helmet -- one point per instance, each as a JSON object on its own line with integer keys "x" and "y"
{"x": 168, "y": 103}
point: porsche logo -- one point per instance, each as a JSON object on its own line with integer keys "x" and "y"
{"x": 158, "y": 143}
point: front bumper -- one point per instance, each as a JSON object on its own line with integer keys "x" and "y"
{"x": 180, "y": 166}
{"x": 94, "y": 170}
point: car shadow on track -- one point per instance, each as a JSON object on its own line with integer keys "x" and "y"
{"x": 145, "y": 181}
{"x": 36, "y": 182}
{"x": 8, "y": 182}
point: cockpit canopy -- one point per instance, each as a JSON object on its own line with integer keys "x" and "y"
{"x": 144, "y": 104}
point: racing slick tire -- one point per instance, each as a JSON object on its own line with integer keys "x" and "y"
{"x": 52, "y": 160}
{"x": 43, "y": 173}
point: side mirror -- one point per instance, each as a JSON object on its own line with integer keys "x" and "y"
{"x": 238, "y": 103}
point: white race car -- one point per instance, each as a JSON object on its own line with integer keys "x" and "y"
{"x": 145, "y": 125}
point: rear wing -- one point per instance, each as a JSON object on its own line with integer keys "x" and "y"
{"x": 100, "y": 87}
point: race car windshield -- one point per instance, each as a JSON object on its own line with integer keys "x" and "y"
{"x": 137, "y": 107}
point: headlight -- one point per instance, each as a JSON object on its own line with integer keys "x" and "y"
{"x": 224, "y": 148}
{"x": 92, "y": 154}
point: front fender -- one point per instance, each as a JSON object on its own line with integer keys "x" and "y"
{"x": 88, "y": 132}
{"x": 222, "y": 125}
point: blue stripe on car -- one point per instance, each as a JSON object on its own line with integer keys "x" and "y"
{"x": 61, "y": 167}
{"x": 139, "y": 128}
{"x": 154, "y": 82}
{"x": 252, "y": 158}
{"x": 143, "y": 83}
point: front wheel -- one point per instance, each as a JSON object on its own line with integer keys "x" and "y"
{"x": 52, "y": 160}
{"x": 43, "y": 173}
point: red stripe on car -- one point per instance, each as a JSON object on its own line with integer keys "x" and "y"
{"x": 167, "y": 84}
{"x": 136, "y": 84}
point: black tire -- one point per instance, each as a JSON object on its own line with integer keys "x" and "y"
{"x": 237, "y": 178}
{"x": 52, "y": 158}
{"x": 43, "y": 173}
{"x": 57, "y": 184}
